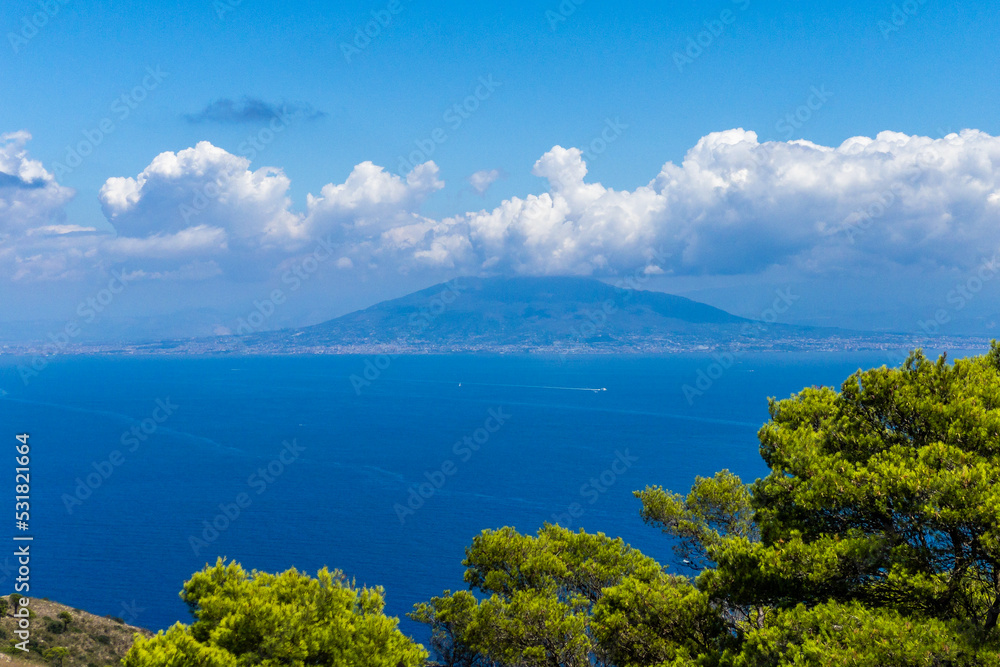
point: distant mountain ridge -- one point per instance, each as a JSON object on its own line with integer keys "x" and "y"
{"x": 562, "y": 315}
{"x": 543, "y": 313}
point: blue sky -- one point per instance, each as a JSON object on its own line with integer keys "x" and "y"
{"x": 559, "y": 75}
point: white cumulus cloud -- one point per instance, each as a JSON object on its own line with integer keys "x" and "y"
{"x": 733, "y": 205}
{"x": 185, "y": 193}
{"x": 371, "y": 201}
{"x": 36, "y": 241}
{"x": 30, "y": 198}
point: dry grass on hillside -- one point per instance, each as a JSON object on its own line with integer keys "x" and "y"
{"x": 92, "y": 641}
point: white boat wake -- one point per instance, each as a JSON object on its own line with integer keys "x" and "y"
{"x": 533, "y": 386}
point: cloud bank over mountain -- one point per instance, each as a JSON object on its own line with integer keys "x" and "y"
{"x": 732, "y": 206}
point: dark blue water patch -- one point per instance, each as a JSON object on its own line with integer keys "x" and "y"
{"x": 128, "y": 541}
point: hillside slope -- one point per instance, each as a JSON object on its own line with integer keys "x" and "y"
{"x": 90, "y": 640}
{"x": 560, "y": 315}
{"x": 523, "y": 312}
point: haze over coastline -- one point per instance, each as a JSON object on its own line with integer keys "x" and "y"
{"x": 558, "y": 315}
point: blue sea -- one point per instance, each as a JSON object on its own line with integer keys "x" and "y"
{"x": 134, "y": 459}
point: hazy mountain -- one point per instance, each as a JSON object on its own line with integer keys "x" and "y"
{"x": 529, "y": 312}
{"x": 547, "y": 314}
